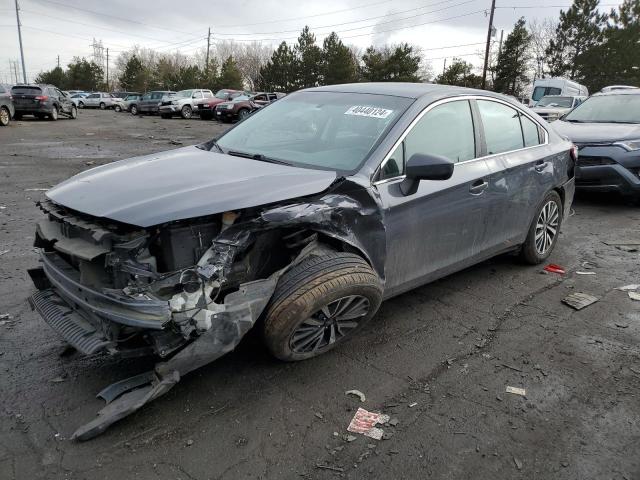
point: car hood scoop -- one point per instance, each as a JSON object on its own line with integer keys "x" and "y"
{"x": 597, "y": 132}
{"x": 183, "y": 183}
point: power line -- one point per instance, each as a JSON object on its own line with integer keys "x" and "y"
{"x": 359, "y": 21}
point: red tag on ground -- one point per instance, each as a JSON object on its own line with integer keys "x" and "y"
{"x": 553, "y": 268}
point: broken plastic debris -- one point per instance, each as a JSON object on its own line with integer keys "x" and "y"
{"x": 357, "y": 393}
{"x": 365, "y": 422}
{"x": 579, "y": 300}
{"x": 634, "y": 295}
{"x": 553, "y": 268}
{"x": 633, "y": 286}
{"x": 585, "y": 273}
{"x": 516, "y": 391}
{"x": 411, "y": 405}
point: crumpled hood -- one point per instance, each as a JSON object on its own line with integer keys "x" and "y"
{"x": 183, "y": 183}
{"x": 597, "y": 132}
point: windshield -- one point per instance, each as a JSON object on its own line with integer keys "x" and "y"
{"x": 564, "y": 102}
{"x": 540, "y": 92}
{"x": 241, "y": 98}
{"x": 222, "y": 94}
{"x": 607, "y": 109}
{"x": 20, "y": 90}
{"x": 184, "y": 94}
{"x": 326, "y": 130}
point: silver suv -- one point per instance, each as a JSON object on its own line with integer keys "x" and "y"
{"x": 184, "y": 103}
{"x": 100, "y": 100}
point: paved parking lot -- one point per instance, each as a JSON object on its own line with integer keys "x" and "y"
{"x": 436, "y": 359}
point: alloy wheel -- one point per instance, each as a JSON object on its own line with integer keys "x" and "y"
{"x": 547, "y": 227}
{"x": 4, "y": 117}
{"x": 74, "y": 112}
{"x": 328, "y": 325}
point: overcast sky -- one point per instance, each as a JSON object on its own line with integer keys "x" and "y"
{"x": 67, "y": 27}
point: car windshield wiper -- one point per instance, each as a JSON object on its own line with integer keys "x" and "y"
{"x": 215, "y": 145}
{"x": 257, "y": 156}
{"x": 574, "y": 121}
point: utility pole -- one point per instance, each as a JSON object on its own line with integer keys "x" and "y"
{"x": 444, "y": 67}
{"x": 206, "y": 65}
{"x": 500, "y": 47}
{"x": 107, "y": 69}
{"x": 24, "y": 70}
{"x": 486, "y": 52}
{"x": 58, "y": 61}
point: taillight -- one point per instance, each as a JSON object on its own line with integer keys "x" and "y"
{"x": 574, "y": 152}
{"x": 42, "y": 98}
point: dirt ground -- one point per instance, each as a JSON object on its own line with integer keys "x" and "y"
{"x": 437, "y": 359}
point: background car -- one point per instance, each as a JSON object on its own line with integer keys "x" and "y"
{"x": 122, "y": 94}
{"x": 78, "y": 98}
{"x": 124, "y": 104}
{"x": 552, "y": 107}
{"x": 42, "y": 101}
{"x": 606, "y": 129}
{"x": 7, "y": 110}
{"x": 184, "y": 103}
{"x": 242, "y": 106}
{"x": 150, "y": 102}
{"x": 101, "y": 100}
{"x": 611, "y": 88}
{"x": 206, "y": 109}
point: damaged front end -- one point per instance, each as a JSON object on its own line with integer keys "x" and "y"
{"x": 186, "y": 291}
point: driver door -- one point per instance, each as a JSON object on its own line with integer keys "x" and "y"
{"x": 442, "y": 227}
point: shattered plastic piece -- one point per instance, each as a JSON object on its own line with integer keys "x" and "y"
{"x": 411, "y": 405}
{"x": 518, "y": 463}
{"x": 633, "y": 286}
{"x": 357, "y": 393}
{"x": 365, "y": 422}
{"x": 516, "y": 391}
{"x": 585, "y": 273}
{"x": 579, "y": 300}
{"x": 553, "y": 268}
{"x": 4, "y": 251}
{"x": 634, "y": 295}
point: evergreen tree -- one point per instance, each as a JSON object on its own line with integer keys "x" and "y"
{"x": 511, "y": 69}
{"x": 308, "y": 60}
{"x": 374, "y": 65}
{"x": 338, "y": 63}
{"x": 84, "y": 75}
{"x": 401, "y": 64}
{"x": 460, "y": 73}
{"x": 135, "y": 76}
{"x": 579, "y": 30}
{"x": 230, "y": 76}
{"x": 55, "y": 77}
{"x": 278, "y": 75}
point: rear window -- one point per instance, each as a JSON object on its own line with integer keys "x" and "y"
{"x": 23, "y": 90}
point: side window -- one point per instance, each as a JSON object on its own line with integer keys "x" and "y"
{"x": 529, "y": 132}
{"x": 208, "y": 94}
{"x": 146, "y": 96}
{"x": 446, "y": 130}
{"x": 93, "y": 95}
{"x": 501, "y": 124}
{"x": 156, "y": 96}
{"x": 395, "y": 165}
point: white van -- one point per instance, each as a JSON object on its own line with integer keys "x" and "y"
{"x": 557, "y": 86}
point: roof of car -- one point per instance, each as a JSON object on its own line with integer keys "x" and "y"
{"x": 401, "y": 89}
{"x": 622, "y": 91}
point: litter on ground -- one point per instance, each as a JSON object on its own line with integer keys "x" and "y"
{"x": 634, "y": 295}
{"x": 553, "y": 268}
{"x": 357, "y": 393}
{"x": 579, "y": 300}
{"x": 364, "y": 422}
{"x": 585, "y": 273}
{"x": 633, "y": 286}
{"x": 516, "y": 391}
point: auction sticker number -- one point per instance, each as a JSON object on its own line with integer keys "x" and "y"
{"x": 364, "y": 111}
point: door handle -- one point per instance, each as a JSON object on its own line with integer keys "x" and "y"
{"x": 540, "y": 166}
{"x": 478, "y": 186}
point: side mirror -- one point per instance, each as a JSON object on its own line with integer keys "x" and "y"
{"x": 425, "y": 167}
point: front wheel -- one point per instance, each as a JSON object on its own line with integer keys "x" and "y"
{"x": 74, "y": 112}
{"x": 5, "y": 116}
{"x": 544, "y": 230}
{"x": 53, "y": 116}
{"x": 319, "y": 303}
{"x": 186, "y": 112}
{"x": 134, "y": 109}
{"x": 80, "y": 104}
{"x": 102, "y": 106}
{"x": 117, "y": 108}
{"x": 243, "y": 113}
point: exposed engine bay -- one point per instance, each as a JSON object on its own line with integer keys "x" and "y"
{"x": 186, "y": 291}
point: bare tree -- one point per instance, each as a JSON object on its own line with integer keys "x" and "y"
{"x": 541, "y": 34}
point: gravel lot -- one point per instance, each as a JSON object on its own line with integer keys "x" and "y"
{"x": 437, "y": 359}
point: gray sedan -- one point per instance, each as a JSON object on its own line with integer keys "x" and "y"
{"x": 306, "y": 215}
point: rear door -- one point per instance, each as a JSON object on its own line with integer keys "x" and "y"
{"x": 520, "y": 172}
{"x": 442, "y": 227}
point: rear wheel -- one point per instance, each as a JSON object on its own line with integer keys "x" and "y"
{"x": 186, "y": 112}
{"x": 53, "y": 116}
{"x": 243, "y": 113}
{"x": 80, "y": 104}
{"x": 74, "y": 112}
{"x": 544, "y": 230}
{"x": 117, "y": 108}
{"x": 102, "y": 106}
{"x": 320, "y": 303}
{"x": 5, "y": 116}
{"x": 134, "y": 109}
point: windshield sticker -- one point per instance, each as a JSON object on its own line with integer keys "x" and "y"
{"x": 373, "y": 112}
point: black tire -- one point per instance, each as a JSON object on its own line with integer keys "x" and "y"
{"x": 74, "y": 112}
{"x": 205, "y": 116}
{"x": 102, "y": 106}
{"x": 133, "y": 109}
{"x": 243, "y": 113}
{"x": 53, "y": 116}
{"x": 117, "y": 108}
{"x": 186, "y": 112}
{"x": 5, "y": 116}
{"x": 80, "y": 104}
{"x": 310, "y": 288}
{"x": 531, "y": 251}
